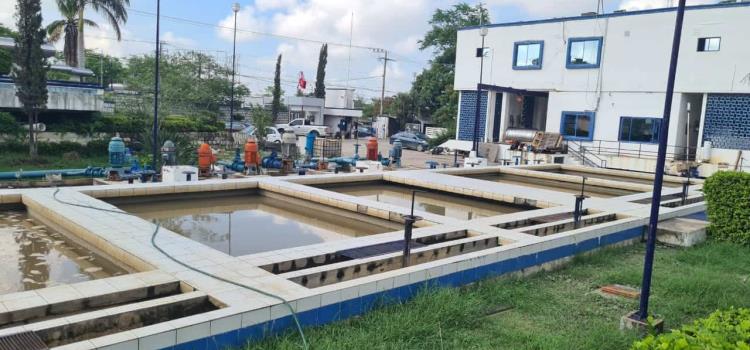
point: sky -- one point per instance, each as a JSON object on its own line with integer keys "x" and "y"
{"x": 297, "y": 28}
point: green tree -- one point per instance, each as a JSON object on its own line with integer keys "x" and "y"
{"x": 276, "y": 104}
{"x": 320, "y": 77}
{"x": 114, "y": 11}
{"x": 402, "y": 107}
{"x": 110, "y": 68}
{"x": 190, "y": 81}
{"x": 6, "y": 55}
{"x": 30, "y": 69}
{"x": 433, "y": 88}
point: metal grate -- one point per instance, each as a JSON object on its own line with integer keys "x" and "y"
{"x": 24, "y": 340}
{"x": 377, "y": 249}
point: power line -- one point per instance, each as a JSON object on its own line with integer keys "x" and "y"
{"x": 282, "y": 36}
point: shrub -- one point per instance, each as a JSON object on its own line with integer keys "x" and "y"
{"x": 728, "y": 329}
{"x": 728, "y": 196}
{"x": 9, "y": 126}
{"x": 441, "y": 138}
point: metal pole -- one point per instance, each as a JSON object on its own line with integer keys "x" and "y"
{"x": 101, "y": 67}
{"x": 235, "y": 8}
{"x": 409, "y": 221}
{"x": 475, "y": 145}
{"x": 382, "y": 88}
{"x": 648, "y": 264}
{"x": 155, "y": 133}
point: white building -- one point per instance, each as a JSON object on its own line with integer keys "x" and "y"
{"x": 601, "y": 80}
{"x": 338, "y": 104}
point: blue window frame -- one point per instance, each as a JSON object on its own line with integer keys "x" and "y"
{"x": 584, "y": 53}
{"x": 577, "y": 126}
{"x": 528, "y": 55}
{"x": 640, "y": 130}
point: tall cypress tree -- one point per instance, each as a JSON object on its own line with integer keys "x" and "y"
{"x": 276, "y": 104}
{"x": 30, "y": 69}
{"x": 320, "y": 85}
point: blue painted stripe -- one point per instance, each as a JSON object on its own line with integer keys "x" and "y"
{"x": 610, "y": 15}
{"x": 360, "y": 305}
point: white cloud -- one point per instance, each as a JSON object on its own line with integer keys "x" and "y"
{"x": 634, "y": 5}
{"x": 395, "y": 25}
{"x": 265, "y": 5}
{"x": 547, "y": 8}
{"x": 7, "y": 9}
{"x": 248, "y": 18}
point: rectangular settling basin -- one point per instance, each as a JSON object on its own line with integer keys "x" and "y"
{"x": 32, "y": 256}
{"x": 248, "y": 222}
{"x": 622, "y": 176}
{"x": 552, "y": 185}
{"x": 432, "y": 201}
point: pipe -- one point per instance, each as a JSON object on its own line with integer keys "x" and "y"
{"x": 37, "y": 174}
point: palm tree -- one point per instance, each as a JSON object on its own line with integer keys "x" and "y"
{"x": 69, "y": 27}
{"x": 115, "y": 11}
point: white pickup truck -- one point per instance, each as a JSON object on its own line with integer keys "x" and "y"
{"x": 302, "y": 128}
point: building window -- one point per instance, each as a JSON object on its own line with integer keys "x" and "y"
{"x": 584, "y": 53}
{"x": 577, "y": 126}
{"x": 709, "y": 44}
{"x": 643, "y": 130}
{"x": 528, "y": 55}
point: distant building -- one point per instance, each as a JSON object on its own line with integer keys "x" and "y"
{"x": 338, "y": 104}
{"x": 600, "y": 81}
{"x": 62, "y": 95}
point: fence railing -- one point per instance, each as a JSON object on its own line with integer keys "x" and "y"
{"x": 627, "y": 149}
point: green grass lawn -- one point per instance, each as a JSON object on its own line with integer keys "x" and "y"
{"x": 555, "y": 310}
{"x": 10, "y": 161}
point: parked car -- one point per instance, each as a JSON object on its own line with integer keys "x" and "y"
{"x": 236, "y": 126}
{"x": 272, "y": 135}
{"x": 302, "y": 127}
{"x": 365, "y": 131}
{"x": 411, "y": 140}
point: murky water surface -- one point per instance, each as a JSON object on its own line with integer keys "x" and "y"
{"x": 628, "y": 179}
{"x": 559, "y": 186}
{"x": 453, "y": 206}
{"x": 33, "y": 256}
{"x": 241, "y": 225}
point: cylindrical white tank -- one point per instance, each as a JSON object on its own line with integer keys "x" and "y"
{"x": 706, "y": 151}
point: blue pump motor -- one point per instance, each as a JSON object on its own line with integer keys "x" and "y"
{"x": 116, "y": 148}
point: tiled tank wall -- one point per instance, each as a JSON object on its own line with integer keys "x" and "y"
{"x": 467, "y": 114}
{"x": 727, "y": 123}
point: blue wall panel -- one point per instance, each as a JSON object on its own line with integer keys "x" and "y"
{"x": 727, "y": 123}
{"x": 467, "y": 114}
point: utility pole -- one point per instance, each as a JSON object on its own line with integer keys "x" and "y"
{"x": 385, "y": 66}
{"x": 648, "y": 265}
{"x": 235, "y": 9}
{"x": 155, "y": 131}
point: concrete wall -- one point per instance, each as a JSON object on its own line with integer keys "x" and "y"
{"x": 631, "y": 79}
{"x": 635, "y": 53}
{"x": 60, "y": 98}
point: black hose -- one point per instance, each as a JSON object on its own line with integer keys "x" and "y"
{"x": 153, "y": 243}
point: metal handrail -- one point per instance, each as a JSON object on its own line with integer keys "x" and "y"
{"x": 635, "y": 150}
{"x": 589, "y": 158}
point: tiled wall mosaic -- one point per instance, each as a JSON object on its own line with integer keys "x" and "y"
{"x": 467, "y": 114}
{"x": 727, "y": 123}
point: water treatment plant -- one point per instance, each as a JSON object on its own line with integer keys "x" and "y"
{"x": 169, "y": 265}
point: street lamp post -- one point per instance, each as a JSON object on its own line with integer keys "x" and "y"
{"x": 155, "y": 131}
{"x": 480, "y": 53}
{"x": 235, "y": 9}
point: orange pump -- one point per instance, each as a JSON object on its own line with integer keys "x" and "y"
{"x": 206, "y": 158}
{"x": 372, "y": 148}
{"x": 252, "y": 157}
